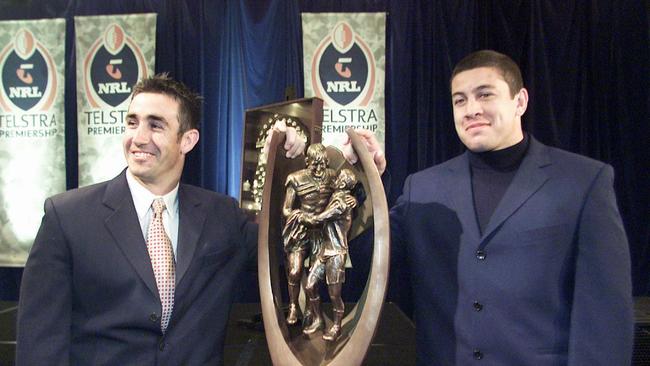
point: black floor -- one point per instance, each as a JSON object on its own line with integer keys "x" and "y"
{"x": 394, "y": 343}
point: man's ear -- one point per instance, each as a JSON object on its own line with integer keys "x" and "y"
{"x": 189, "y": 140}
{"x": 522, "y": 101}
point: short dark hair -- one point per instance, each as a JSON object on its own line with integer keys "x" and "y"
{"x": 189, "y": 110}
{"x": 488, "y": 58}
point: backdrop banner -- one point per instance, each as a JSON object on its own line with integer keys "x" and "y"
{"x": 32, "y": 129}
{"x": 113, "y": 53}
{"x": 344, "y": 57}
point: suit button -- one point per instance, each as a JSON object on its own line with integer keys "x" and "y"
{"x": 480, "y": 255}
{"x": 478, "y": 306}
{"x": 478, "y": 354}
{"x": 153, "y": 317}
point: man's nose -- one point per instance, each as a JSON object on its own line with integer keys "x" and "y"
{"x": 141, "y": 135}
{"x": 473, "y": 107}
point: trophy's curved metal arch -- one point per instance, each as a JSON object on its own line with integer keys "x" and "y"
{"x": 360, "y": 324}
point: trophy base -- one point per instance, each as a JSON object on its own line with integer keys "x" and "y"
{"x": 394, "y": 343}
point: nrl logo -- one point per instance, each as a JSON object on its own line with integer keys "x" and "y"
{"x": 343, "y": 68}
{"x": 28, "y": 74}
{"x": 111, "y": 68}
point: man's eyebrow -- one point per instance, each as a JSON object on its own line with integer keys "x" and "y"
{"x": 149, "y": 117}
{"x": 483, "y": 87}
{"x": 156, "y": 117}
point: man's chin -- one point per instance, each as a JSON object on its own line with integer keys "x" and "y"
{"x": 479, "y": 149}
{"x": 140, "y": 173}
{"x": 476, "y": 145}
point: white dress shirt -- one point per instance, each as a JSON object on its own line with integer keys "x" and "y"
{"x": 142, "y": 199}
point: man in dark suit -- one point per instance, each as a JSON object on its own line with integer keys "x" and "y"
{"x": 97, "y": 291}
{"x": 517, "y": 252}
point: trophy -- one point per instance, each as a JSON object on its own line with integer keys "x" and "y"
{"x": 311, "y": 208}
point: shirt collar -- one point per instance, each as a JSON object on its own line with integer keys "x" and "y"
{"x": 503, "y": 160}
{"x": 142, "y": 197}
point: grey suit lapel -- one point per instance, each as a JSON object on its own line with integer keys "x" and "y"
{"x": 124, "y": 226}
{"x": 529, "y": 179}
{"x": 190, "y": 226}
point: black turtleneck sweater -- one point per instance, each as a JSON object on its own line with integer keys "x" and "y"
{"x": 492, "y": 172}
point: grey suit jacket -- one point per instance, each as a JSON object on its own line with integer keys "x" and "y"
{"x": 547, "y": 283}
{"x": 88, "y": 294}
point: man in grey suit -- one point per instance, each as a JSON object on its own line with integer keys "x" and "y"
{"x": 90, "y": 294}
{"x": 517, "y": 252}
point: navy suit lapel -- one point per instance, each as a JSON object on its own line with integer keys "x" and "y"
{"x": 190, "y": 226}
{"x": 529, "y": 179}
{"x": 460, "y": 186}
{"x": 124, "y": 226}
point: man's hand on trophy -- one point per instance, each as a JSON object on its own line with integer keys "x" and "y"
{"x": 293, "y": 143}
{"x": 373, "y": 147}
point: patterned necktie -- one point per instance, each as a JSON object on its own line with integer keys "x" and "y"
{"x": 162, "y": 260}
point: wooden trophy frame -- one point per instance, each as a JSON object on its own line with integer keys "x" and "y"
{"x": 306, "y": 115}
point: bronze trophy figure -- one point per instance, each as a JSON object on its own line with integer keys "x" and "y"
{"x": 308, "y": 214}
{"x": 311, "y": 188}
{"x": 329, "y": 258}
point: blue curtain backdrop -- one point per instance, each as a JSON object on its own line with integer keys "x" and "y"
{"x": 585, "y": 63}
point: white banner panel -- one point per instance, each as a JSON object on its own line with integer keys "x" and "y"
{"x": 344, "y": 58}
{"x": 32, "y": 129}
{"x": 113, "y": 53}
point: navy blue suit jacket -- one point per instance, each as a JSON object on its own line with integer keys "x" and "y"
{"x": 88, "y": 294}
{"x": 547, "y": 283}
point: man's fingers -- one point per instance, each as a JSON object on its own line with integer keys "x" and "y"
{"x": 280, "y": 125}
{"x": 369, "y": 138}
{"x": 294, "y": 144}
{"x": 363, "y": 132}
{"x": 296, "y": 149}
{"x": 380, "y": 161}
{"x": 373, "y": 146}
{"x": 290, "y": 139}
{"x": 348, "y": 152}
